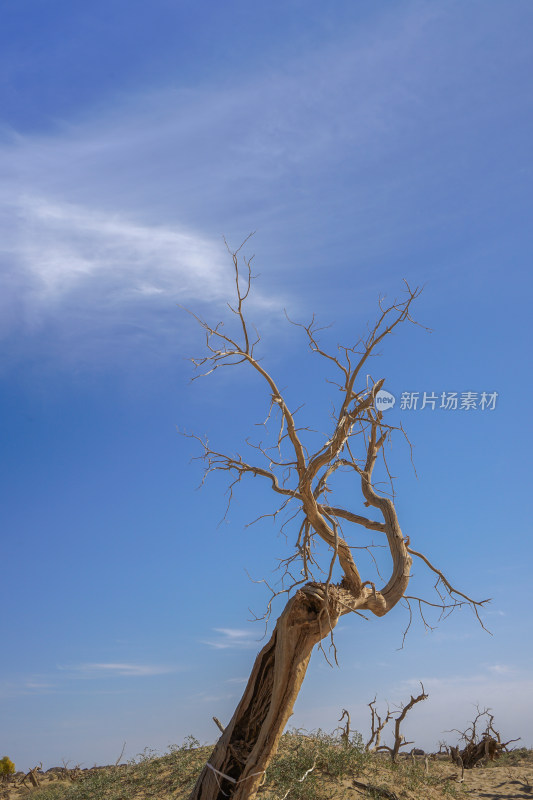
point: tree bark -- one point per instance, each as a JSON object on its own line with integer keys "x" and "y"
{"x": 250, "y": 740}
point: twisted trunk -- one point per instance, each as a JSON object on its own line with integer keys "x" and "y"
{"x": 242, "y": 754}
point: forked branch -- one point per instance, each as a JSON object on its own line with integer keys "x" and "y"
{"x": 306, "y": 477}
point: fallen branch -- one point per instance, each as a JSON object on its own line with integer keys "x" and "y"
{"x": 302, "y": 779}
{"x": 369, "y": 787}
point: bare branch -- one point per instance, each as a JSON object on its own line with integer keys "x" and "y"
{"x": 371, "y": 524}
{"x": 452, "y": 592}
{"x": 218, "y": 724}
{"x": 117, "y": 762}
{"x": 304, "y": 477}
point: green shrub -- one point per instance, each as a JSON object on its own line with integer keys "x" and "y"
{"x": 7, "y": 767}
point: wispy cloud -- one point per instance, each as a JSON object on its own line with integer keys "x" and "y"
{"x": 232, "y": 638}
{"x": 107, "y": 670}
{"x": 92, "y": 280}
{"x": 66, "y": 676}
{"x": 26, "y": 686}
{"x": 481, "y": 681}
{"x": 64, "y": 248}
{"x": 501, "y": 669}
{"x": 107, "y": 223}
{"x": 206, "y": 697}
{"x": 82, "y": 271}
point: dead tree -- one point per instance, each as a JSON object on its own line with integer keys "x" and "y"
{"x": 399, "y": 739}
{"x": 303, "y": 476}
{"x": 377, "y": 725}
{"x": 33, "y": 776}
{"x": 345, "y": 732}
{"x": 479, "y": 748}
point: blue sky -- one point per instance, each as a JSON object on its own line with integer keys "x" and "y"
{"x": 364, "y": 143}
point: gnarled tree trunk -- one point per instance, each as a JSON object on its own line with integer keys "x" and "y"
{"x": 250, "y": 740}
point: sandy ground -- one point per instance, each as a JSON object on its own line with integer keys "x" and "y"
{"x": 496, "y": 783}
{"x": 493, "y": 782}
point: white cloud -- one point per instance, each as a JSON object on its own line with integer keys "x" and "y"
{"x": 501, "y": 669}
{"x": 91, "y": 283}
{"x": 205, "y": 697}
{"x": 57, "y": 256}
{"x": 105, "y": 670}
{"x": 111, "y": 221}
{"x": 38, "y": 685}
{"x": 44, "y": 684}
{"x": 233, "y": 638}
{"x": 64, "y": 247}
{"x": 91, "y": 280}
{"x": 25, "y": 686}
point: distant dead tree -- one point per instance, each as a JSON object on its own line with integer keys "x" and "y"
{"x": 304, "y": 475}
{"x": 479, "y": 748}
{"x": 345, "y": 732}
{"x": 377, "y": 725}
{"x": 33, "y": 776}
{"x": 398, "y": 716}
